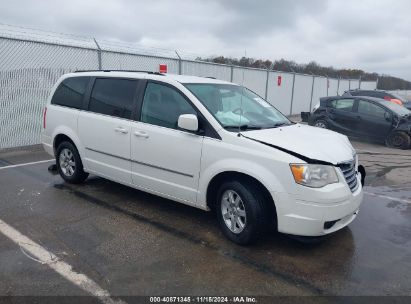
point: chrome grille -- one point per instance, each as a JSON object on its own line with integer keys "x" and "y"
{"x": 348, "y": 170}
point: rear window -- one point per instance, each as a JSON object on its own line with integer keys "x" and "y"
{"x": 70, "y": 92}
{"x": 113, "y": 97}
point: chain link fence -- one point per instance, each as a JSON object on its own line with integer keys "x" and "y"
{"x": 31, "y": 62}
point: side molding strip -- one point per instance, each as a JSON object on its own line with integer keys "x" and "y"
{"x": 141, "y": 163}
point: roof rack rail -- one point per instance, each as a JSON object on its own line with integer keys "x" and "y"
{"x": 127, "y": 71}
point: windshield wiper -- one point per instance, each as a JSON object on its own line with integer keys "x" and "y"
{"x": 279, "y": 124}
{"x": 242, "y": 127}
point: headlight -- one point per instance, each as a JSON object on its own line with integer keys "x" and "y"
{"x": 315, "y": 176}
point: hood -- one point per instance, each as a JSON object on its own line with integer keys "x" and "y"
{"x": 315, "y": 143}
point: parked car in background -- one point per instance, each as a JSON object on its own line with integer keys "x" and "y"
{"x": 395, "y": 98}
{"x": 206, "y": 143}
{"x": 364, "y": 117}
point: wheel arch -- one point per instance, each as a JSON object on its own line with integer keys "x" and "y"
{"x": 59, "y": 139}
{"x": 66, "y": 134}
{"x": 407, "y": 138}
{"x": 216, "y": 181}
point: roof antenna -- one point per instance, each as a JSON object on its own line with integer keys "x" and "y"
{"x": 242, "y": 93}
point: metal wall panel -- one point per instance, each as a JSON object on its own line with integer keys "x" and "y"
{"x": 255, "y": 80}
{"x": 202, "y": 69}
{"x": 354, "y": 84}
{"x": 280, "y": 96}
{"x": 320, "y": 90}
{"x": 368, "y": 85}
{"x": 333, "y": 87}
{"x": 344, "y": 86}
{"x": 120, "y": 61}
{"x": 302, "y": 93}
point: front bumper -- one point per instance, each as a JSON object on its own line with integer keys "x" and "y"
{"x": 298, "y": 216}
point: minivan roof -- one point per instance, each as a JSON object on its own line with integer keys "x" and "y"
{"x": 150, "y": 75}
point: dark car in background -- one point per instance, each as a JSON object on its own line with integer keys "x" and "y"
{"x": 364, "y": 117}
{"x": 395, "y": 98}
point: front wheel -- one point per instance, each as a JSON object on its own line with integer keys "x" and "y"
{"x": 321, "y": 123}
{"x": 240, "y": 212}
{"x": 69, "y": 163}
{"x": 399, "y": 140}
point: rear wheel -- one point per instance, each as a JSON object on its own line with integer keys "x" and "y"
{"x": 321, "y": 123}
{"x": 241, "y": 212}
{"x": 399, "y": 140}
{"x": 69, "y": 163}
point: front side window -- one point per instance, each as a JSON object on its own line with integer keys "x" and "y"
{"x": 370, "y": 109}
{"x": 70, "y": 92}
{"x": 114, "y": 97}
{"x": 343, "y": 104}
{"x": 162, "y": 105}
{"x": 237, "y": 107}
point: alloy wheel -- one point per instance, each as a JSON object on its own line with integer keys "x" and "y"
{"x": 397, "y": 140}
{"x": 233, "y": 211}
{"x": 67, "y": 162}
{"x": 320, "y": 124}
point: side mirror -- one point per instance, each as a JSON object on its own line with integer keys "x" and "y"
{"x": 188, "y": 122}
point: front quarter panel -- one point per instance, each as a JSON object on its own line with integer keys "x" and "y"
{"x": 243, "y": 156}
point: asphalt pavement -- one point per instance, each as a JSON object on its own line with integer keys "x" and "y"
{"x": 127, "y": 242}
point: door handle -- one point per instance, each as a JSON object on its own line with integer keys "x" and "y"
{"x": 141, "y": 134}
{"x": 121, "y": 130}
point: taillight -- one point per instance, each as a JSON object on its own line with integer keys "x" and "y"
{"x": 44, "y": 117}
{"x": 387, "y": 98}
{"x": 397, "y": 101}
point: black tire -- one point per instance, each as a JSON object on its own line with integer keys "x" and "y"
{"x": 76, "y": 175}
{"x": 253, "y": 205}
{"x": 320, "y": 123}
{"x": 399, "y": 140}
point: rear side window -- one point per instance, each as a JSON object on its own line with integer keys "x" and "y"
{"x": 342, "y": 104}
{"x": 370, "y": 109}
{"x": 70, "y": 92}
{"x": 113, "y": 97}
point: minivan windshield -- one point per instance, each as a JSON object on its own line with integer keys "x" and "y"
{"x": 236, "y": 107}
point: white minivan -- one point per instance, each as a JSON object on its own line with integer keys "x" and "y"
{"x": 206, "y": 143}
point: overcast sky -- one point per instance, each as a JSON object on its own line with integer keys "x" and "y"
{"x": 374, "y": 35}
